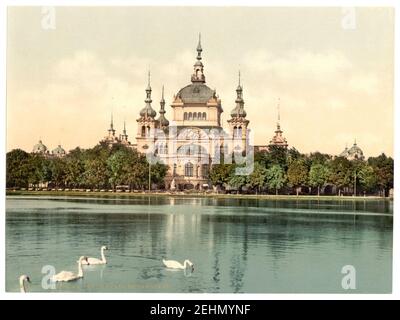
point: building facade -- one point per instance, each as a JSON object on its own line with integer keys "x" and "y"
{"x": 195, "y": 138}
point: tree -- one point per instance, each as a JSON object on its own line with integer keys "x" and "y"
{"x": 276, "y": 178}
{"x": 220, "y": 174}
{"x": 17, "y": 168}
{"x": 58, "y": 171}
{"x": 297, "y": 174}
{"x": 117, "y": 168}
{"x": 277, "y": 155}
{"x": 237, "y": 181}
{"x": 96, "y": 173}
{"x": 367, "y": 177}
{"x": 383, "y": 168}
{"x": 341, "y": 173}
{"x": 39, "y": 170}
{"x": 258, "y": 178}
{"x": 318, "y": 175}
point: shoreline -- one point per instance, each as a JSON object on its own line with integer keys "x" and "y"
{"x": 192, "y": 195}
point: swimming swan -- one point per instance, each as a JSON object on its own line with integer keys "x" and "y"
{"x": 172, "y": 264}
{"x": 22, "y": 280}
{"x": 95, "y": 261}
{"x": 65, "y": 276}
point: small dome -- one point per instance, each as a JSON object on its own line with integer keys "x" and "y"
{"x": 59, "y": 151}
{"x": 39, "y": 147}
{"x": 355, "y": 150}
{"x": 164, "y": 122}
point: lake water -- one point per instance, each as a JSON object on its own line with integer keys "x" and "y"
{"x": 236, "y": 245}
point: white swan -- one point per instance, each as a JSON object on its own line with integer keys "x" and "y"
{"x": 95, "y": 261}
{"x": 172, "y": 264}
{"x": 64, "y": 276}
{"x": 22, "y": 280}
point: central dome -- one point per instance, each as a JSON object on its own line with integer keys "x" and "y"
{"x": 196, "y": 93}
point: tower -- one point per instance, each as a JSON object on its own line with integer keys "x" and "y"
{"x": 278, "y": 139}
{"x": 198, "y": 75}
{"x": 162, "y": 120}
{"x": 147, "y": 122}
{"x": 124, "y": 137}
{"x": 238, "y": 123}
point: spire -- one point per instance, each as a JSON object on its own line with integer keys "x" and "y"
{"x": 124, "y": 131}
{"x": 278, "y": 123}
{"x": 148, "y": 110}
{"x": 163, "y": 121}
{"x": 162, "y": 97}
{"x": 198, "y": 75}
{"x": 239, "y": 109}
{"x": 111, "y": 131}
{"x": 199, "y": 48}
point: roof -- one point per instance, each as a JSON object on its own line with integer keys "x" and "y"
{"x": 196, "y": 93}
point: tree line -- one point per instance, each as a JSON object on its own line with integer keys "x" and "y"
{"x": 289, "y": 171}
{"x": 277, "y": 171}
{"x": 100, "y": 167}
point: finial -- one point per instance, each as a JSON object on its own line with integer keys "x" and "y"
{"x": 199, "y": 49}
{"x": 239, "y": 77}
{"x": 355, "y": 141}
{"x": 112, "y": 121}
{"x": 148, "y": 78}
{"x": 162, "y": 101}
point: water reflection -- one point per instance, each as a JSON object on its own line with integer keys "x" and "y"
{"x": 236, "y": 245}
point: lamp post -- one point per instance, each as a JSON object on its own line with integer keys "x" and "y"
{"x": 355, "y": 183}
{"x": 145, "y": 147}
{"x": 149, "y": 176}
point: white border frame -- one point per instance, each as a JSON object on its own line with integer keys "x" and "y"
{"x": 188, "y": 296}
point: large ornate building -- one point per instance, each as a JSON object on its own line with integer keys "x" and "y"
{"x": 194, "y": 139}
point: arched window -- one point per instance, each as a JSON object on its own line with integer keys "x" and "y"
{"x": 189, "y": 169}
{"x": 199, "y": 116}
{"x": 240, "y": 132}
{"x": 204, "y": 116}
{"x": 185, "y": 116}
{"x": 143, "y": 131}
{"x": 194, "y": 116}
{"x": 190, "y": 116}
{"x": 148, "y": 131}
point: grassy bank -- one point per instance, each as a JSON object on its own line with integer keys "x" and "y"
{"x": 189, "y": 195}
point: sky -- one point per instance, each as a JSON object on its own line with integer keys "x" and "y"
{"x": 331, "y": 69}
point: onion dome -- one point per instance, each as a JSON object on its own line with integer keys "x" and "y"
{"x": 148, "y": 111}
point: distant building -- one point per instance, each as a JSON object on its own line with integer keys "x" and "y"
{"x": 58, "y": 152}
{"x": 41, "y": 149}
{"x": 278, "y": 139}
{"x": 354, "y": 153}
{"x": 111, "y": 139}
